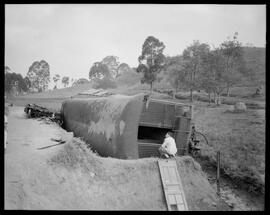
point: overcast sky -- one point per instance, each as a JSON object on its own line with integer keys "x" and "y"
{"x": 72, "y": 37}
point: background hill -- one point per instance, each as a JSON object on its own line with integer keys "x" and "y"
{"x": 254, "y": 58}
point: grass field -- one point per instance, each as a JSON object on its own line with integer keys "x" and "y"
{"x": 241, "y": 141}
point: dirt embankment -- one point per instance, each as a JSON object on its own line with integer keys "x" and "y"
{"x": 70, "y": 176}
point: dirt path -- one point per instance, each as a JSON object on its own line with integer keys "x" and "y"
{"x": 25, "y": 165}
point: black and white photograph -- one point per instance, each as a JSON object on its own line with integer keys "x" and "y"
{"x": 134, "y": 107}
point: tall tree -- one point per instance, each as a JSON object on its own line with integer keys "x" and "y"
{"x": 15, "y": 83}
{"x": 151, "y": 60}
{"x": 212, "y": 80}
{"x": 233, "y": 53}
{"x": 112, "y": 62}
{"x": 72, "y": 81}
{"x": 80, "y": 81}
{"x": 193, "y": 56}
{"x": 175, "y": 73}
{"x": 99, "y": 71}
{"x": 65, "y": 81}
{"x": 39, "y": 75}
{"x": 27, "y": 82}
{"x": 56, "y": 78}
{"x": 127, "y": 76}
{"x": 123, "y": 68}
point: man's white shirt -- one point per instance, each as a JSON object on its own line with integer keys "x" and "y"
{"x": 169, "y": 145}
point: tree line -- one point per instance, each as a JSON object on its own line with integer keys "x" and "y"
{"x": 199, "y": 67}
{"x": 102, "y": 74}
{"x": 37, "y": 79}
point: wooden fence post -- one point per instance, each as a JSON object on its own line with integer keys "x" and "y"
{"x": 218, "y": 173}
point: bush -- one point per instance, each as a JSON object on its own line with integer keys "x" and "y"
{"x": 104, "y": 83}
{"x": 128, "y": 78}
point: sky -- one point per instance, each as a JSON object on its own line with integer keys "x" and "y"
{"x": 71, "y": 37}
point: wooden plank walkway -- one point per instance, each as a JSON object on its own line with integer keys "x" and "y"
{"x": 172, "y": 185}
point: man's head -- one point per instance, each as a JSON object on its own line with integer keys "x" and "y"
{"x": 169, "y": 134}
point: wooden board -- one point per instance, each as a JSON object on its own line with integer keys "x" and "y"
{"x": 172, "y": 185}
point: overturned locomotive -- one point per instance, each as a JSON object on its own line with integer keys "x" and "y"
{"x": 127, "y": 127}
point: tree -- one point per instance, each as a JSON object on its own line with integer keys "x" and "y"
{"x": 15, "y": 83}
{"x": 104, "y": 83}
{"x": 123, "y": 68}
{"x": 249, "y": 72}
{"x": 112, "y": 62}
{"x": 80, "y": 81}
{"x": 233, "y": 52}
{"x": 65, "y": 81}
{"x": 212, "y": 74}
{"x": 127, "y": 76}
{"x": 193, "y": 56}
{"x": 151, "y": 60}
{"x": 39, "y": 75}
{"x": 56, "y": 78}
{"x": 27, "y": 82}
{"x": 175, "y": 73}
{"x": 99, "y": 71}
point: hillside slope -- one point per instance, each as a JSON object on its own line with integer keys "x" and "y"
{"x": 255, "y": 59}
{"x": 60, "y": 93}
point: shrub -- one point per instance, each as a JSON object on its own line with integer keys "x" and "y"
{"x": 104, "y": 83}
{"x": 129, "y": 78}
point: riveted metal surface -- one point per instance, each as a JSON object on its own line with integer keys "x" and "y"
{"x": 108, "y": 124}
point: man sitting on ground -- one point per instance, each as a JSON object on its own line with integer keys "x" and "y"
{"x": 168, "y": 148}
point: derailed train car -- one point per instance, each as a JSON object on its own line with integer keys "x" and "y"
{"x": 127, "y": 127}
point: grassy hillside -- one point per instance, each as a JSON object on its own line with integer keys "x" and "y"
{"x": 60, "y": 93}
{"x": 255, "y": 59}
{"x": 50, "y": 99}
